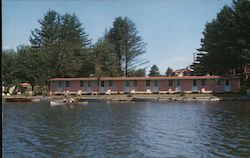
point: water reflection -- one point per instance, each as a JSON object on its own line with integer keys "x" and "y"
{"x": 173, "y": 129}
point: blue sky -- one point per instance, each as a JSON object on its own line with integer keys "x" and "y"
{"x": 172, "y": 29}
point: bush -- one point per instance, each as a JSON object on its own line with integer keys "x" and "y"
{"x": 182, "y": 94}
{"x": 129, "y": 95}
{"x": 243, "y": 90}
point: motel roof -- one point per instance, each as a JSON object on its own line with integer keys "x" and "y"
{"x": 144, "y": 78}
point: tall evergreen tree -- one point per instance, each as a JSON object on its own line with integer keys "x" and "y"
{"x": 63, "y": 43}
{"x": 73, "y": 42}
{"x": 49, "y": 33}
{"x": 226, "y": 41}
{"x": 128, "y": 45}
{"x": 154, "y": 71}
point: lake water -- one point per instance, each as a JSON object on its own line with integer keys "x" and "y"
{"x": 146, "y": 129}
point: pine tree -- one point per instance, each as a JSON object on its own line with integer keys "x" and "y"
{"x": 154, "y": 71}
{"x": 128, "y": 45}
{"x": 226, "y": 41}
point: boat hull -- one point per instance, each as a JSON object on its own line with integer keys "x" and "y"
{"x": 62, "y": 102}
{"x": 18, "y": 99}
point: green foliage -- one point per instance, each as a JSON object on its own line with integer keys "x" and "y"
{"x": 182, "y": 94}
{"x": 128, "y": 45}
{"x": 226, "y": 41}
{"x": 154, "y": 71}
{"x": 169, "y": 72}
{"x": 60, "y": 48}
{"x": 104, "y": 59}
{"x": 137, "y": 73}
{"x": 63, "y": 42}
{"x": 8, "y": 66}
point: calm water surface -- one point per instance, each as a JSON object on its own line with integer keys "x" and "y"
{"x": 96, "y": 130}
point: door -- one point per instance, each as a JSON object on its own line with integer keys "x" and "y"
{"x": 178, "y": 86}
{"x": 194, "y": 86}
{"x": 127, "y": 86}
{"x": 227, "y": 87}
{"x": 156, "y": 88}
{"x": 60, "y": 86}
{"x": 89, "y": 89}
{"x": 102, "y": 87}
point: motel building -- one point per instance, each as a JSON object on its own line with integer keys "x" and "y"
{"x": 144, "y": 85}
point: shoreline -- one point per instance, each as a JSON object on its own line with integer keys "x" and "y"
{"x": 142, "y": 97}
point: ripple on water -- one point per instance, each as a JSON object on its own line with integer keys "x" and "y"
{"x": 172, "y": 129}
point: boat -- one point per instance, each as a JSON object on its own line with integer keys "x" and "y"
{"x": 91, "y": 100}
{"x": 145, "y": 99}
{"x": 18, "y": 99}
{"x": 63, "y": 102}
{"x": 57, "y": 102}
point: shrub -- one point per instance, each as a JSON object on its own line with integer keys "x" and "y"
{"x": 129, "y": 95}
{"x": 182, "y": 94}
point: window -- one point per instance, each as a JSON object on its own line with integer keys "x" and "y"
{"x": 67, "y": 83}
{"x": 110, "y": 83}
{"x": 227, "y": 82}
{"x": 155, "y": 83}
{"x": 218, "y": 83}
{"x": 81, "y": 83}
{"x": 89, "y": 83}
{"x": 194, "y": 83}
{"x": 60, "y": 84}
{"x": 170, "y": 83}
{"x": 203, "y": 82}
{"x": 102, "y": 83}
{"x": 147, "y": 83}
{"x": 127, "y": 83}
{"x": 135, "y": 83}
{"x": 178, "y": 83}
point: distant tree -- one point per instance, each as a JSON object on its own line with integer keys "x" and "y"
{"x": 127, "y": 43}
{"x": 137, "y": 73}
{"x": 169, "y": 72}
{"x": 154, "y": 71}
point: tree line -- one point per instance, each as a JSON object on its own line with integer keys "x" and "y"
{"x": 225, "y": 47}
{"x": 61, "y": 48}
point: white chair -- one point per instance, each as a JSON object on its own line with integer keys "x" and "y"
{"x": 108, "y": 92}
{"x": 79, "y": 92}
{"x": 132, "y": 92}
{"x": 148, "y": 91}
{"x": 170, "y": 91}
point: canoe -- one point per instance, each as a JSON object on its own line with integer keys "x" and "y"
{"x": 18, "y": 99}
{"x": 62, "y": 102}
